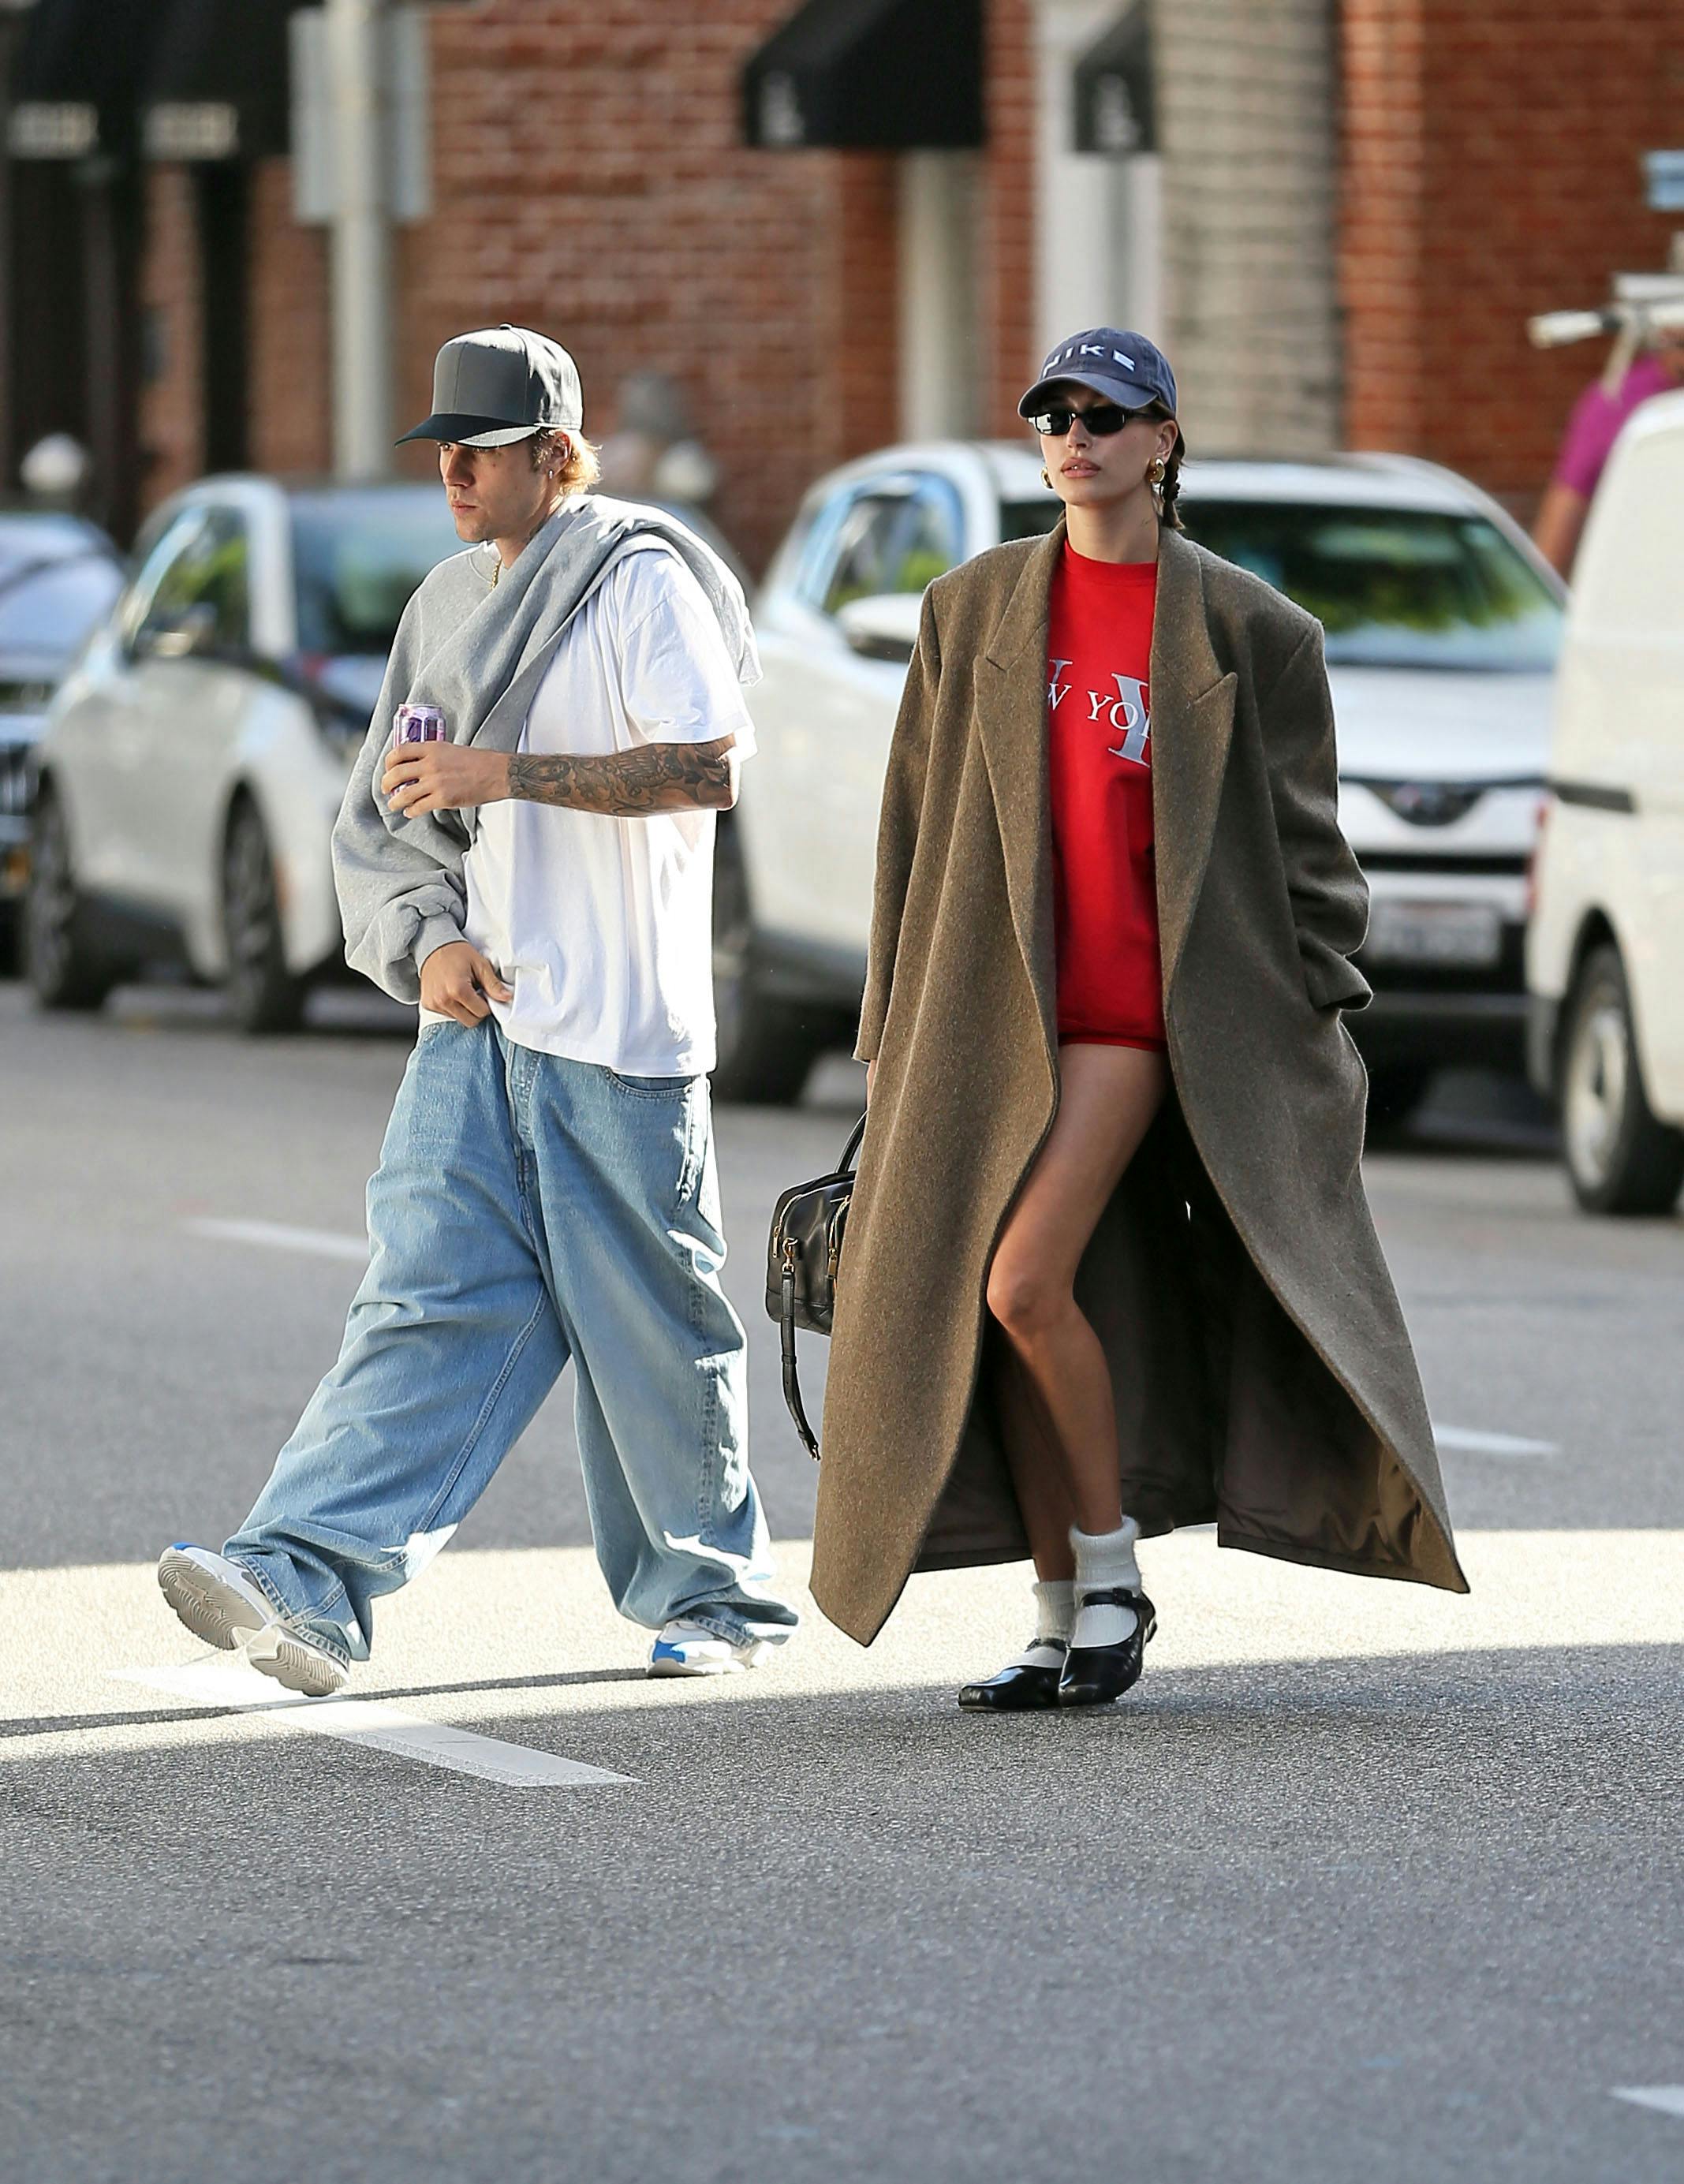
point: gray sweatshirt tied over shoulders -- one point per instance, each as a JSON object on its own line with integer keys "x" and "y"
{"x": 480, "y": 651}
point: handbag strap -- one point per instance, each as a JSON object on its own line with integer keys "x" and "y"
{"x": 786, "y": 1318}
{"x": 792, "y": 1385}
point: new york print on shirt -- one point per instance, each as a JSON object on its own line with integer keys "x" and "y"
{"x": 1127, "y": 711}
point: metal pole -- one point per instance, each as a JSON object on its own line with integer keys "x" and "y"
{"x": 362, "y": 241}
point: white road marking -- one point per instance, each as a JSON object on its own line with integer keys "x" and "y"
{"x": 1491, "y": 1443}
{"x": 325, "y": 1243}
{"x": 1669, "y": 2099}
{"x": 370, "y": 1721}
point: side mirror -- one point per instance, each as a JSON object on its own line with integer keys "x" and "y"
{"x": 883, "y": 627}
{"x": 188, "y": 635}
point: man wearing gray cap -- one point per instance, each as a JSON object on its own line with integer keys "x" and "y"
{"x": 540, "y": 881}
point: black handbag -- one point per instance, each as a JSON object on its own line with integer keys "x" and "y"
{"x": 803, "y": 1261}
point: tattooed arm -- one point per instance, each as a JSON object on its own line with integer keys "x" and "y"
{"x": 632, "y": 784}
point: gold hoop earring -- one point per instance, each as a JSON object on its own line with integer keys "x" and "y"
{"x": 1046, "y": 480}
{"x": 1157, "y": 469}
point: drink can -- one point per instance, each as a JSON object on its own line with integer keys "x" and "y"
{"x": 419, "y": 724}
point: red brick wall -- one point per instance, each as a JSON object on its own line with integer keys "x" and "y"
{"x": 171, "y": 397}
{"x": 590, "y": 180}
{"x": 1007, "y": 286}
{"x": 290, "y": 417}
{"x": 859, "y": 299}
{"x": 1491, "y": 171}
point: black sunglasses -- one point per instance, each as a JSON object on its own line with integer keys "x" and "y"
{"x": 1102, "y": 419}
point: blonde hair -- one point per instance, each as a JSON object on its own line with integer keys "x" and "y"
{"x": 582, "y": 469}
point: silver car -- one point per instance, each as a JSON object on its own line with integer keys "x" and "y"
{"x": 59, "y": 576}
{"x": 194, "y": 762}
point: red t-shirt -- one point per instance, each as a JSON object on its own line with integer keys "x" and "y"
{"x": 1099, "y": 718}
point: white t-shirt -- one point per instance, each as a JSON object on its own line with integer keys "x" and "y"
{"x": 604, "y": 927}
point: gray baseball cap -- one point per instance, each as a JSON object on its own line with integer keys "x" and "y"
{"x": 501, "y": 385}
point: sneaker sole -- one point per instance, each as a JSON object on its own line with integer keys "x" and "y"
{"x": 211, "y": 1610}
{"x": 274, "y": 1652}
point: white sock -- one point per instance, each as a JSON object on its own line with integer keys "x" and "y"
{"x": 1055, "y": 1613}
{"x": 1104, "y": 1562}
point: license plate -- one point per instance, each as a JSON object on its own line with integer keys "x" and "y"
{"x": 1466, "y": 934}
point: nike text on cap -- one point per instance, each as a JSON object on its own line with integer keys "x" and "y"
{"x": 1125, "y": 368}
{"x": 502, "y": 384}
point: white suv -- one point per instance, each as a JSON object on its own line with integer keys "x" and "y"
{"x": 1443, "y": 626}
{"x": 192, "y": 764}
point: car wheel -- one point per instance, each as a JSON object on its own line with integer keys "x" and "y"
{"x": 766, "y": 1048}
{"x": 64, "y": 968}
{"x": 265, "y": 995}
{"x": 1620, "y": 1158}
{"x": 1396, "y": 1089}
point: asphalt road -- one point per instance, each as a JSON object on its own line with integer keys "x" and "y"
{"x": 1363, "y": 1882}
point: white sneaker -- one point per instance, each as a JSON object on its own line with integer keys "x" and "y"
{"x": 686, "y": 1649}
{"x": 220, "y": 1604}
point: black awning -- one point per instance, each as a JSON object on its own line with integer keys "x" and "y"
{"x": 896, "y": 76}
{"x": 77, "y": 76}
{"x": 218, "y": 85}
{"x": 1115, "y": 101}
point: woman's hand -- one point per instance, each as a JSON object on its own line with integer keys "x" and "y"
{"x": 455, "y": 980}
{"x": 442, "y": 777}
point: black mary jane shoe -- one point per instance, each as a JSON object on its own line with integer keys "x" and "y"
{"x": 1095, "y": 1675}
{"x": 1022, "y": 1688}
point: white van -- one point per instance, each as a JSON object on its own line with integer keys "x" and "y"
{"x": 1605, "y": 951}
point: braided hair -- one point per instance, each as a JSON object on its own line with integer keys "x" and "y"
{"x": 1169, "y": 490}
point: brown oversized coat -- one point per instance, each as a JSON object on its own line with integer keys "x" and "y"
{"x": 1263, "y": 1372}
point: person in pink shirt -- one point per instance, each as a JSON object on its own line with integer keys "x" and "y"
{"x": 1588, "y": 441}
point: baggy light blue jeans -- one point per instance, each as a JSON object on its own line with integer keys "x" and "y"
{"x": 528, "y": 1211}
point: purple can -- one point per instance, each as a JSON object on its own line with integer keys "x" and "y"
{"x": 419, "y": 724}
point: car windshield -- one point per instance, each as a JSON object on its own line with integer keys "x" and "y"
{"x": 53, "y": 611}
{"x": 1393, "y": 586}
{"x": 356, "y": 559}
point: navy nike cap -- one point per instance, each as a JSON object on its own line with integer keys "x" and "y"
{"x": 1125, "y": 368}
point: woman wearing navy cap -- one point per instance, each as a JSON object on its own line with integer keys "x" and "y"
{"x": 1109, "y": 1266}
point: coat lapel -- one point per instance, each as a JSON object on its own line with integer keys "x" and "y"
{"x": 1192, "y": 720}
{"x": 1011, "y": 724}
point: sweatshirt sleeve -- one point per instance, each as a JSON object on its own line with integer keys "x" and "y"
{"x": 399, "y": 883}
{"x": 1329, "y": 895}
{"x": 897, "y": 833}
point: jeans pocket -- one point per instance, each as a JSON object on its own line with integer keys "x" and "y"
{"x": 651, "y": 1087}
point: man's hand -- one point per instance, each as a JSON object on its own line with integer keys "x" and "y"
{"x": 455, "y": 980}
{"x": 442, "y": 777}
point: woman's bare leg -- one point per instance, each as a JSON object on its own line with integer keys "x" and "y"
{"x": 1037, "y": 1467}
{"x": 1109, "y": 1097}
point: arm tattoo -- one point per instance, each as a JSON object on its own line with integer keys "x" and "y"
{"x": 629, "y": 784}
